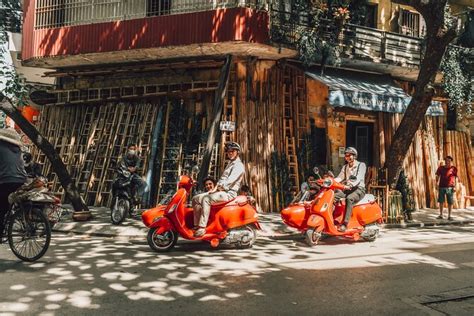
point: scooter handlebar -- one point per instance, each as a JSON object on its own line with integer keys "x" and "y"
{"x": 331, "y": 183}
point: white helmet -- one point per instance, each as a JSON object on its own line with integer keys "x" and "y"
{"x": 232, "y": 146}
{"x": 351, "y": 150}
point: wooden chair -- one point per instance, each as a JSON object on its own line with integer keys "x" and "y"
{"x": 469, "y": 198}
{"x": 377, "y": 185}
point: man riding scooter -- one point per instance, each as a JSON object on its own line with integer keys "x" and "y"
{"x": 226, "y": 189}
{"x": 352, "y": 175}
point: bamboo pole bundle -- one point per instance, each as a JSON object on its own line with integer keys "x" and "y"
{"x": 381, "y": 136}
{"x": 470, "y": 162}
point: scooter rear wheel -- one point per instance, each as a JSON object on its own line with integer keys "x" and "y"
{"x": 162, "y": 242}
{"x": 248, "y": 242}
{"x": 312, "y": 237}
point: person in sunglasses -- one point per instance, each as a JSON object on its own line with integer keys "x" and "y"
{"x": 226, "y": 189}
{"x": 352, "y": 175}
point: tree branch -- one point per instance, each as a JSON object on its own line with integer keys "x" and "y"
{"x": 7, "y": 106}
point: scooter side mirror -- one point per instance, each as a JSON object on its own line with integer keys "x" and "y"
{"x": 195, "y": 169}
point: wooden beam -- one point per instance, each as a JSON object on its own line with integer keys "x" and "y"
{"x": 217, "y": 114}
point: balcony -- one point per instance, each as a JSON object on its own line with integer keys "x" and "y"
{"x": 362, "y": 47}
{"x": 73, "y": 33}
{"x": 51, "y": 14}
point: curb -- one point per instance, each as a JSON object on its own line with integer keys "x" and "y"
{"x": 97, "y": 234}
{"x": 429, "y": 224}
{"x": 280, "y": 236}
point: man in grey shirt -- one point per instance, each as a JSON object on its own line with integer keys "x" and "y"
{"x": 12, "y": 170}
{"x": 226, "y": 189}
{"x": 352, "y": 175}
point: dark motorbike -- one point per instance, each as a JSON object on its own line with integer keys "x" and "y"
{"x": 123, "y": 201}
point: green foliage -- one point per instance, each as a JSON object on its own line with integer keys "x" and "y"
{"x": 281, "y": 182}
{"x": 10, "y": 15}
{"x": 315, "y": 26}
{"x": 403, "y": 186}
{"x": 450, "y": 21}
{"x": 457, "y": 78}
{"x": 12, "y": 85}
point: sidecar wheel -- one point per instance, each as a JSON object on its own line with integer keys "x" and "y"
{"x": 312, "y": 237}
{"x": 162, "y": 242}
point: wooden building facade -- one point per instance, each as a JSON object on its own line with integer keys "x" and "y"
{"x": 146, "y": 77}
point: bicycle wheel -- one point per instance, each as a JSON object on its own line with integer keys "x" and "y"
{"x": 29, "y": 234}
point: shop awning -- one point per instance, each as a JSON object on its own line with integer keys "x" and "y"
{"x": 368, "y": 92}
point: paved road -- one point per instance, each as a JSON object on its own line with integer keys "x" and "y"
{"x": 409, "y": 272}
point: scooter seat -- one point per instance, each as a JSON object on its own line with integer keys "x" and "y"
{"x": 368, "y": 198}
{"x": 239, "y": 200}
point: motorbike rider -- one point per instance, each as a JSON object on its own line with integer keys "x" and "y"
{"x": 131, "y": 162}
{"x": 12, "y": 170}
{"x": 352, "y": 175}
{"x": 32, "y": 168}
{"x": 226, "y": 189}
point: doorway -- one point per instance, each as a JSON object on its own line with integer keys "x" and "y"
{"x": 360, "y": 135}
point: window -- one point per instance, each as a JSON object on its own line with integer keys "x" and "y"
{"x": 411, "y": 23}
{"x": 158, "y": 7}
{"x": 371, "y": 17}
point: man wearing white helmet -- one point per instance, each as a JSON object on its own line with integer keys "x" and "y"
{"x": 352, "y": 175}
{"x": 12, "y": 170}
{"x": 227, "y": 188}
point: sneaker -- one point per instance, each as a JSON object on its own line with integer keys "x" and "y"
{"x": 450, "y": 218}
{"x": 440, "y": 217}
{"x": 342, "y": 228}
{"x": 199, "y": 232}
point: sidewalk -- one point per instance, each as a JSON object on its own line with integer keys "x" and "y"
{"x": 272, "y": 226}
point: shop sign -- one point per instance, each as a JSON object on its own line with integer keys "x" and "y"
{"x": 342, "y": 152}
{"x": 227, "y": 126}
{"x": 370, "y": 101}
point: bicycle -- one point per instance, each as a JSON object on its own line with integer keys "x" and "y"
{"x": 27, "y": 230}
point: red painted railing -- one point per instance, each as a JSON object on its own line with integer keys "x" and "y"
{"x": 214, "y": 26}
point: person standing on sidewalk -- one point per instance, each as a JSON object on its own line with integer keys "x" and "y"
{"x": 12, "y": 170}
{"x": 447, "y": 176}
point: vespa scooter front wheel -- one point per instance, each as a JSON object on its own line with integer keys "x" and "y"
{"x": 162, "y": 242}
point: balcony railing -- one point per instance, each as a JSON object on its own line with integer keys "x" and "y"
{"x": 59, "y": 13}
{"x": 357, "y": 42}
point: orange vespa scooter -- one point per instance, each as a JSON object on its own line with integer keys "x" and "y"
{"x": 322, "y": 215}
{"x": 231, "y": 223}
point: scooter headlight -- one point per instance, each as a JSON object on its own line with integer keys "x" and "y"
{"x": 327, "y": 183}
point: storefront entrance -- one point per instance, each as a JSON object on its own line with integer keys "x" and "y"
{"x": 361, "y": 136}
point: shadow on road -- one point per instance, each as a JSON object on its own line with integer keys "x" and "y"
{"x": 81, "y": 273}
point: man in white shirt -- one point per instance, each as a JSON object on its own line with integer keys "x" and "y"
{"x": 352, "y": 175}
{"x": 227, "y": 188}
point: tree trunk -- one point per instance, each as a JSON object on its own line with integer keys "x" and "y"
{"x": 437, "y": 40}
{"x": 217, "y": 114}
{"x": 47, "y": 148}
